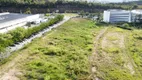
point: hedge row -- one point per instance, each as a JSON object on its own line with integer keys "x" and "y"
{"x": 125, "y": 26}
{"x": 19, "y": 34}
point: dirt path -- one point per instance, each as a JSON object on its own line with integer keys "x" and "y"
{"x": 95, "y": 53}
{"x": 117, "y": 40}
{"x": 9, "y": 71}
{"x": 110, "y": 51}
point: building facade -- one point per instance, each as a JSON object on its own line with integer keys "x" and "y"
{"x": 114, "y": 16}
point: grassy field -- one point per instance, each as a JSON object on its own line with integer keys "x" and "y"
{"x": 61, "y": 54}
{"x": 70, "y": 14}
{"x": 64, "y": 54}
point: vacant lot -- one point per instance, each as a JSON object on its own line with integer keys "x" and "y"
{"x": 61, "y": 54}
{"x": 79, "y": 50}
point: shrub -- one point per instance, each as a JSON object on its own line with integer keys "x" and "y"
{"x": 126, "y": 26}
{"x": 20, "y": 33}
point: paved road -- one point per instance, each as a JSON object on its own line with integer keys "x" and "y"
{"x": 26, "y": 41}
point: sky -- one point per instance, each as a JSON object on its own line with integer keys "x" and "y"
{"x": 112, "y": 0}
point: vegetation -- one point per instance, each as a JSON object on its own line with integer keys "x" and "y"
{"x": 126, "y": 26}
{"x": 61, "y": 5}
{"x": 17, "y": 35}
{"x": 134, "y": 42}
{"x": 50, "y": 4}
{"x": 118, "y": 55}
{"x": 62, "y": 53}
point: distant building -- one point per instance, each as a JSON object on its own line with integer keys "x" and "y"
{"x": 9, "y": 21}
{"x": 113, "y": 16}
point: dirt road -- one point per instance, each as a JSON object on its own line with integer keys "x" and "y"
{"x": 110, "y": 52}
{"x": 95, "y": 53}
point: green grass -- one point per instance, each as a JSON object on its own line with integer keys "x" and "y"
{"x": 134, "y": 47}
{"x": 112, "y": 50}
{"x": 61, "y": 54}
{"x": 70, "y": 14}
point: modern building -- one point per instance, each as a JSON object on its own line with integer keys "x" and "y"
{"x": 136, "y": 14}
{"x": 113, "y": 16}
{"x": 9, "y": 21}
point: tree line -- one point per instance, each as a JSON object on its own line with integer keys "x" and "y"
{"x": 19, "y": 34}
{"x": 59, "y": 4}
{"x": 47, "y": 4}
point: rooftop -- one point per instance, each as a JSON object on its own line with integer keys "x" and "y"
{"x": 116, "y": 10}
{"x": 137, "y": 11}
{"x": 11, "y": 16}
{"x": 119, "y": 11}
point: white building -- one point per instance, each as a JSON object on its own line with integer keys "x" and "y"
{"x": 135, "y": 14}
{"x": 9, "y": 21}
{"x": 113, "y": 16}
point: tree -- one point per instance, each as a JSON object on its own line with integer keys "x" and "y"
{"x": 135, "y": 6}
{"x": 99, "y": 17}
{"x": 81, "y": 13}
{"x": 139, "y": 18}
{"x": 28, "y": 11}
